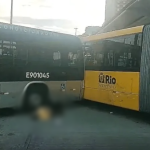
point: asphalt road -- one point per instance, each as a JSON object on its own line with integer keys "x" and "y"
{"x": 86, "y": 126}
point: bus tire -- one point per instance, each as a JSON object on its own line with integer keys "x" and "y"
{"x": 36, "y": 96}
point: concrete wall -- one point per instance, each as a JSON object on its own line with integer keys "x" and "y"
{"x": 113, "y": 7}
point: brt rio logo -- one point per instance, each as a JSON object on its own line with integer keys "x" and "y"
{"x": 106, "y": 79}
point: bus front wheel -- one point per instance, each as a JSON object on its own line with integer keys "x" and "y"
{"x": 35, "y": 97}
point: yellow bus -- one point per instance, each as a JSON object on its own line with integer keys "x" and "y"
{"x": 117, "y": 68}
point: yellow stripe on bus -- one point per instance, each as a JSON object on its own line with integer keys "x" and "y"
{"x": 116, "y": 33}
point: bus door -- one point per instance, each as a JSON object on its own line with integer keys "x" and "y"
{"x": 111, "y": 88}
{"x": 58, "y": 77}
{"x": 75, "y": 73}
{"x": 117, "y": 87}
{"x": 121, "y": 92}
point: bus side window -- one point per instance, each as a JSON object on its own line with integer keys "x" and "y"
{"x": 6, "y": 53}
{"x": 99, "y": 58}
{"x": 94, "y": 56}
{"x": 127, "y": 58}
{"x": 99, "y": 54}
{"x": 20, "y": 53}
{"x": 123, "y": 56}
{"x": 109, "y": 56}
{"x": 139, "y": 39}
{"x": 56, "y": 55}
{"x": 6, "y": 48}
{"x": 56, "y": 58}
{"x": 72, "y": 57}
{"x": 1, "y": 51}
{"x": 89, "y": 59}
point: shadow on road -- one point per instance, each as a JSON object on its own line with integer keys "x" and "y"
{"x": 113, "y": 110}
{"x": 8, "y": 112}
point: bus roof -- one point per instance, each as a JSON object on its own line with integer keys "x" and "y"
{"x": 17, "y": 29}
{"x": 111, "y": 34}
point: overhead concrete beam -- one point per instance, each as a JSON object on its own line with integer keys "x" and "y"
{"x": 137, "y": 13}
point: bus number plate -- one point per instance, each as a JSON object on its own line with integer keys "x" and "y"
{"x": 38, "y": 75}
